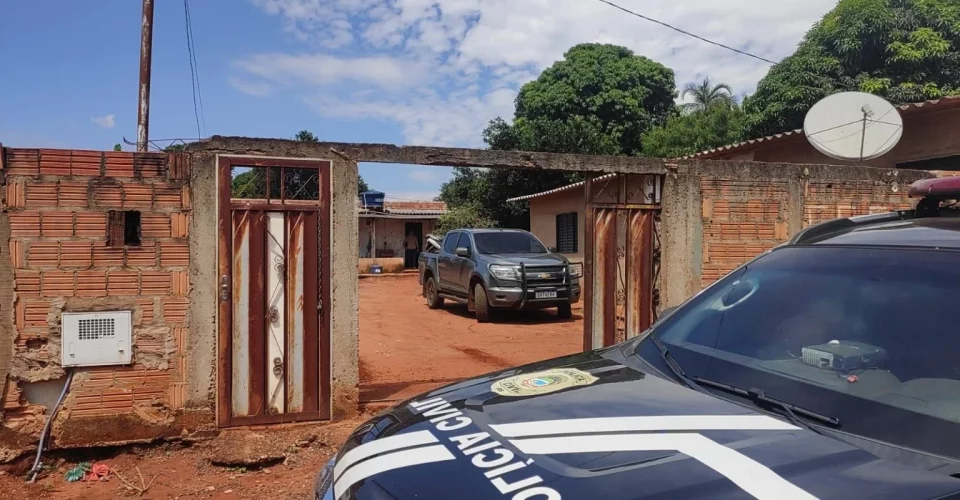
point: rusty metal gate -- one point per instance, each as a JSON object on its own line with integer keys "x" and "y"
{"x": 621, "y": 257}
{"x": 274, "y": 335}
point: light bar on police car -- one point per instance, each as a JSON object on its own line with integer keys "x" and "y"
{"x": 944, "y": 187}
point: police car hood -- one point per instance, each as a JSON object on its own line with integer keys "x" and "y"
{"x": 586, "y": 426}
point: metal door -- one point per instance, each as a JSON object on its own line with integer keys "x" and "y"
{"x": 446, "y": 263}
{"x": 417, "y": 229}
{"x": 274, "y": 344}
{"x": 621, "y": 257}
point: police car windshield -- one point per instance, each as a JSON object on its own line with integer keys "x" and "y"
{"x": 507, "y": 242}
{"x": 866, "y": 335}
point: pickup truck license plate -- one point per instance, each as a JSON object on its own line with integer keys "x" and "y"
{"x": 551, "y": 294}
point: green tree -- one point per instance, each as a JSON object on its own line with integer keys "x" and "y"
{"x": 464, "y": 216}
{"x": 305, "y": 136}
{"x": 468, "y": 186}
{"x": 599, "y": 99}
{"x": 706, "y": 94}
{"x": 697, "y": 131}
{"x": 117, "y": 147}
{"x": 903, "y": 50}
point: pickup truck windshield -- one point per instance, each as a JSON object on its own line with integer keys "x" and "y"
{"x": 507, "y": 243}
{"x": 866, "y": 335}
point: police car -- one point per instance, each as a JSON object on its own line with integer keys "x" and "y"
{"x": 825, "y": 368}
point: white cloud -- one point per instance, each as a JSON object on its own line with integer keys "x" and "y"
{"x": 323, "y": 69}
{"x": 106, "y": 121}
{"x": 259, "y": 89}
{"x": 441, "y": 69}
{"x": 456, "y": 119}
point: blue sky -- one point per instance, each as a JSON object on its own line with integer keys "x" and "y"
{"x": 393, "y": 71}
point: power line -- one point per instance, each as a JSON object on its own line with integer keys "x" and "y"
{"x": 837, "y": 82}
{"x": 194, "y": 70}
{"x": 193, "y": 43}
{"x": 674, "y": 28}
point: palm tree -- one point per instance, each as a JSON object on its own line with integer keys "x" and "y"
{"x": 706, "y": 94}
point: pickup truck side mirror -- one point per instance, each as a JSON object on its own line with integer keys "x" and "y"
{"x": 463, "y": 252}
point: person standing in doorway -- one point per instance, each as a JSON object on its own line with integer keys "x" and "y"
{"x": 412, "y": 251}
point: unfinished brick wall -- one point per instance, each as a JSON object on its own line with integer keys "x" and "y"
{"x": 57, "y": 204}
{"x": 745, "y": 217}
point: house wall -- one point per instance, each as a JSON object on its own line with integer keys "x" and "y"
{"x": 54, "y": 223}
{"x": 925, "y": 136}
{"x": 543, "y": 218}
{"x": 726, "y": 213}
{"x": 390, "y": 234}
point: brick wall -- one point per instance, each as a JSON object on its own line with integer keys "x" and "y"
{"x": 57, "y": 202}
{"x": 745, "y": 217}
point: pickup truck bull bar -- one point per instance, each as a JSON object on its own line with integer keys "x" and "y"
{"x": 523, "y": 282}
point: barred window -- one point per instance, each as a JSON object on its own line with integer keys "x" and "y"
{"x": 567, "y": 233}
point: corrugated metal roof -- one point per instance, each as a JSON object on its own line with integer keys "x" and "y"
{"x": 905, "y": 110}
{"x": 402, "y": 214}
{"x": 730, "y": 148}
{"x": 557, "y": 190}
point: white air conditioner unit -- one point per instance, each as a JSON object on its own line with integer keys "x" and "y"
{"x": 96, "y": 338}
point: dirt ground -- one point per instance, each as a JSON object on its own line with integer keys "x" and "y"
{"x": 405, "y": 349}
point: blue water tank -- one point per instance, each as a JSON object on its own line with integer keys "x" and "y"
{"x": 372, "y": 199}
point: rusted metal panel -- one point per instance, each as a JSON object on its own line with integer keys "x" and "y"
{"x": 589, "y": 218}
{"x": 240, "y": 376}
{"x": 607, "y": 253}
{"x": 324, "y": 238}
{"x": 311, "y": 316}
{"x": 602, "y": 310}
{"x": 275, "y": 228}
{"x": 256, "y": 329}
{"x": 640, "y": 250}
{"x": 655, "y": 231}
{"x": 224, "y": 304}
{"x": 295, "y": 313}
{"x": 619, "y": 287}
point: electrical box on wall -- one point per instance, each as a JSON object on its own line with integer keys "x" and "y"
{"x": 96, "y": 338}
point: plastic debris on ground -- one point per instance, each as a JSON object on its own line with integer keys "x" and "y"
{"x": 77, "y": 473}
{"x": 85, "y": 471}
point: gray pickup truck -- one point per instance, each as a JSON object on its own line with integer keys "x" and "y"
{"x": 492, "y": 269}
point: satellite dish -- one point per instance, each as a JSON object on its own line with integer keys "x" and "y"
{"x": 853, "y": 126}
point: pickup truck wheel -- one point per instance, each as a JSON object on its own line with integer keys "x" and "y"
{"x": 434, "y": 300}
{"x": 481, "y": 304}
{"x": 564, "y": 311}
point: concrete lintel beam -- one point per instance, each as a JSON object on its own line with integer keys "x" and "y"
{"x": 438, "y": 156}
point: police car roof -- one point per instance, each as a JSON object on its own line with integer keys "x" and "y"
{"x": 933, "y": 232}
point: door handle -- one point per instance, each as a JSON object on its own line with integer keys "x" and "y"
{"x": 224, "y": 288}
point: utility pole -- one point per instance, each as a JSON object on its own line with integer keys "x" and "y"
{"x": 146, "y": 50}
